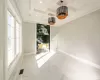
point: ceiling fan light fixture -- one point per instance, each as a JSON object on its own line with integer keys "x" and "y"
{"x": 51, "y": 20}
{"x": 62, "y": 11}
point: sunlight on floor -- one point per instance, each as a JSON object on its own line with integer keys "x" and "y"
{"x": 43, "y": 58}
{"x": 40, "y": 55}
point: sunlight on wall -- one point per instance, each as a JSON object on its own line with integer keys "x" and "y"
{"x": 43, "y": 58}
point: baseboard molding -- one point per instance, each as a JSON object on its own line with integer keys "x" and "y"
{"x": 61, "y": 51}
{"x": 90, "y": 63}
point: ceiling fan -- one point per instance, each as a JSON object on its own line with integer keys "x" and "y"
{"x": 67, "y": 3}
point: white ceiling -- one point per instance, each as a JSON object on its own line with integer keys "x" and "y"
{"x": 77, "y": 8}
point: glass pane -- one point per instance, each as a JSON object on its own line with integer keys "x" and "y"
{"x": 10, "y": 19}
{"x": 10, "y": 56}
{"x": 17, "y": 46}
{"x": 11, "y": 40}
{"x": 11, "y": 44}
{"x": 17, "y": 26}
{"x": 17, "y": 34}
{"x": 10, "y": 32}
{"x": 17, "y": 38}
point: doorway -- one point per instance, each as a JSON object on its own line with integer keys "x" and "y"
{"x": 43, "y": 38}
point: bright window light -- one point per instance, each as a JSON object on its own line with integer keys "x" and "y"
{"x": 10, "y": 37}
{"x": 13, "y": 37}
{"x": 40, "y": 55}
{"x": 43, "y": 58}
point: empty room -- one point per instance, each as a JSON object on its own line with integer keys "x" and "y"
{"x": 49, "y": 39}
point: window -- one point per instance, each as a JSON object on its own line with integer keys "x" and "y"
{"x": 13, "y": 38}
{"x": 17, "y": 38}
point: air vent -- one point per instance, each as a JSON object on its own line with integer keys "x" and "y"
{"x": 21, "y": 72}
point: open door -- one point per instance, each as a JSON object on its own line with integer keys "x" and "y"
{"x": 43, "y": 38}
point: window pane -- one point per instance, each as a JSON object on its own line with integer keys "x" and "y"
{"x": 10, "y": 19}
{"x": 17, "y": 34}
{"x": 10, "y": 56}
{"x": 17, "y": 26}
{"x": 17, "y": 46}
{"x": 17, "y": 38}
{"x": 11, "y": 40}
{"x": 10, "y": 32}
{"x": 11, "y": 44}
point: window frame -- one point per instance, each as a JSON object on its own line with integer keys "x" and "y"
{"x": 16, "y": 37}
{"x": 8, "y": 11}
{"x": 19, "y": 22}
{"x": 12, "y": 8}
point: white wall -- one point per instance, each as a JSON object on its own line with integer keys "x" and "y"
{"x": 29, "y": 37}
{"x": 81, "y": 37}
{"x": 54, "y": 37}
{"x": 3, "y": 34}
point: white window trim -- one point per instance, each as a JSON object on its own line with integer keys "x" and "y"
{"x": 11, "y": 8}
{"x": 15, "y": 20}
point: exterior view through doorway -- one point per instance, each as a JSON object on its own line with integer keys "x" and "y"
{"x": 43, "y": 38}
